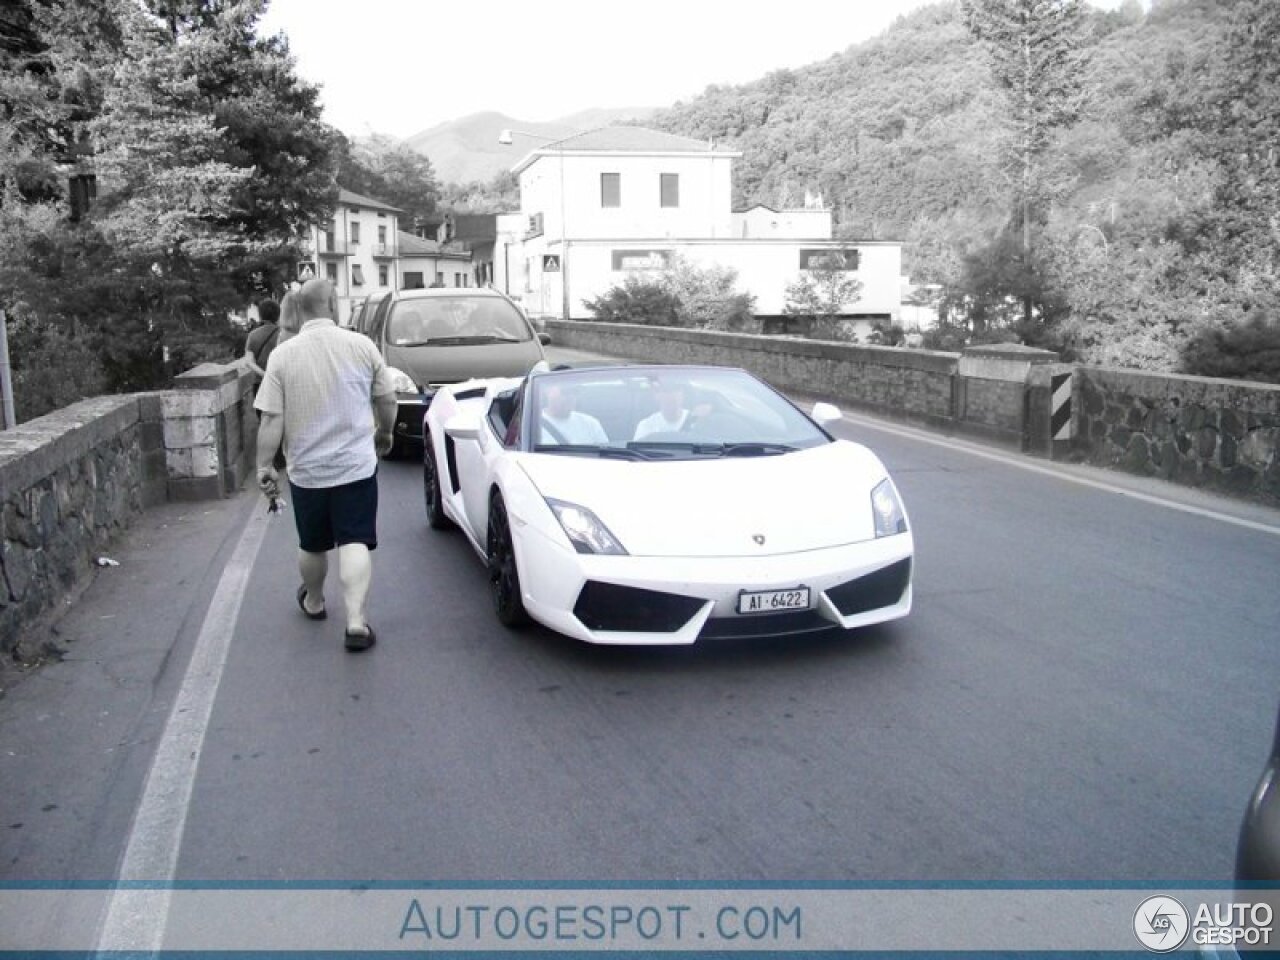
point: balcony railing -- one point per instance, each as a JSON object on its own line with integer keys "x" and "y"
{"x": 336, "y": 248}
{"x": 383, "y": 250}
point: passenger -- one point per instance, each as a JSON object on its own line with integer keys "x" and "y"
{"x": 562, "y": 424}
{"x": 671, "y": 414}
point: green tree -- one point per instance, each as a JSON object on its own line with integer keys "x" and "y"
{"x": 1036, "y": 53}
{"x": 822, "y": 296}
{"x": 207, "y": 156}
{"x": 1242, "y": 118}
{"x": 380, "y": 168}
{"x": 707, "y": 295}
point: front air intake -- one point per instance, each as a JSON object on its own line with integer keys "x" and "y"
{"x": 880, "y": 588}
{"x": 610, "y": 606}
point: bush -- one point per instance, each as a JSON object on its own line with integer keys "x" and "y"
{"x": 950, "y": 337}
{"x": 50, "y": 369}
{"x": 684, "y": 295}
{"x": 636, "y": 301}
{"x": 1248, "y": 350}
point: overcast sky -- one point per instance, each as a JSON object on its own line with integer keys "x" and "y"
{"x": 402, "y": 66}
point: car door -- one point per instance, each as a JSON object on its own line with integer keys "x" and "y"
{"x": 479, "y": 459}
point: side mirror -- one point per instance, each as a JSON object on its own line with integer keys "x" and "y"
{"x": 463, "y": 426}
{"x": 824, "y": 413}
{"x": 544, "y": 338}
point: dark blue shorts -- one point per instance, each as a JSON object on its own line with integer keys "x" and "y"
{"x": 328, "y": 517}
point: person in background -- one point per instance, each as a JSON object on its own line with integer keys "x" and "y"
{"x": 290, "y": 316}
{"x": 329, "y": 396}
{"x": 263, "y": 338}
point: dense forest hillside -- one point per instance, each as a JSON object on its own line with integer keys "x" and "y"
{"x": 1138, "y": 228}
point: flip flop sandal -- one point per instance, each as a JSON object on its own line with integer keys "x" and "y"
{"x": 302, "y": 597}
{"x": 361, "y": 641}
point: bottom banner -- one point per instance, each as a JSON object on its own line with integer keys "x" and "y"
{"x": 563, "y": 921}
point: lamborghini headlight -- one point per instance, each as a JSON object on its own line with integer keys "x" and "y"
{"x": 887, "y": 510}
{"x": 402, "y": 382}
{"x": 584, "y": 529}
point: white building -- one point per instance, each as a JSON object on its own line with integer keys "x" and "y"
{"x": 601, "y": 204}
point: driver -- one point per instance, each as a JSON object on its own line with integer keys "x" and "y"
{"x": 562, "y": 424}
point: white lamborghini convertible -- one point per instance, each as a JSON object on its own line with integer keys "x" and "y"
{"x": 660, "y": 504}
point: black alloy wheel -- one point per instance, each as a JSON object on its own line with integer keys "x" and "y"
{"x": 436, "y": 518}
{"x": 504, "y": 578}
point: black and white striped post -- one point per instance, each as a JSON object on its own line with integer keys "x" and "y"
{"x": 1061, "y": 423}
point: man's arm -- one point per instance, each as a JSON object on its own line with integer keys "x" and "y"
{"x": 270, "y": 436}
{"x": 384, "y": 414}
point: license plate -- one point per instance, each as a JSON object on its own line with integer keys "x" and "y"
{"x": 771, "y": 601}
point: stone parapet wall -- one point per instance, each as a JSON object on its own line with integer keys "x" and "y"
{"x": 72, "y": 481}
{"x": 907, "y": 384}
{"x": 1219, "y": 434}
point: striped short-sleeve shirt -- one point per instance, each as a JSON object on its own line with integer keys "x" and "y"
{"x": 323, "y": 382}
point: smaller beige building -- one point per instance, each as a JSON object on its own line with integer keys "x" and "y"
{"x": 362, "y": 251}
{"x": 356, "y": 250}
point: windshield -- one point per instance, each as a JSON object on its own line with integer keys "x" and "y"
{"x": 658, "y": 413}
{"x": 444, "y": 320}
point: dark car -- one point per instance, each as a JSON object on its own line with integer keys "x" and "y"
{"x": 1258, "y": 852}
{"x": 446, "y": 335}
{"x": 363, "y": 312}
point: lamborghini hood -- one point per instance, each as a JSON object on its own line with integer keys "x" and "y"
{"x": 729, "y": 506}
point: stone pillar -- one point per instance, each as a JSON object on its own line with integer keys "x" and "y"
{"x": 993, "y": 398}
{"x": 204, "y": 431}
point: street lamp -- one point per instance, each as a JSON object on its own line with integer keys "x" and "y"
{"x": 505, "y": 137}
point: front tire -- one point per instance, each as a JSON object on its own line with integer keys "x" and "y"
{"x": 431, "y": 495}
{"x": 504, "y": 577}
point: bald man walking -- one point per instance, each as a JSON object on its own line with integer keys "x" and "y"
{"x": 328, "y": 396}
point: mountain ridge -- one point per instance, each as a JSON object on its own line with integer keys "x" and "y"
{"x": 466, "y": 149}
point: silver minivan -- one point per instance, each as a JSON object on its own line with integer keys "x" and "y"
{"x": 442, "y": 335}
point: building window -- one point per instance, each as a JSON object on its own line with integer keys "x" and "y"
{"x": 610, "y": 189}
{"x": 357, "y": 275}
{"x": 382, "y": 235}
{"x": 382, "y": 275}
{"x": 670, "y": 189}
{"x": 355, "y": 233}
{"x": 413, "y": 280}
{"x": 330, "y": 241}
{"x": 331, "y": 271}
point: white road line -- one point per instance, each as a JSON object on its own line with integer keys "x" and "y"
{"x": 133, "y": 920}
{"x": 1022, "y": 463}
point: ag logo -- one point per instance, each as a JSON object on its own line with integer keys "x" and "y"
{"x": 1161, "y": 924}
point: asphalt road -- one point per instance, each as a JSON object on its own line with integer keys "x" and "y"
{"x": 1085, "y": 692}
